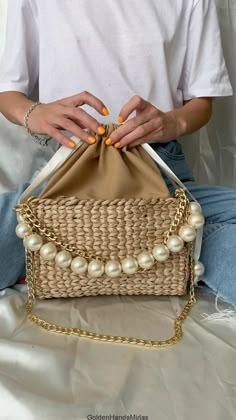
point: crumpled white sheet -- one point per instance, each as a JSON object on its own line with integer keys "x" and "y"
{"x": 48, "y": 376}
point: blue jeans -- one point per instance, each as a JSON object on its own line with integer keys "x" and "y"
{"x": 219, "y": 240}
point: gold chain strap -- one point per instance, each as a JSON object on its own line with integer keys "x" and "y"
{"x": 181, "y": 212}
{"x": 30, "y": 278}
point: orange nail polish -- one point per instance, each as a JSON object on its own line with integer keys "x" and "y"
{"x": 120, "y": 119}
{"x": 108, "y": 142}
{"x": 71, "y": 144}
{"x": 101, "y": 130}
{"x": 92, "y": 140}
{"x": 105, "y": 112}
{"x": 117, "y": 145}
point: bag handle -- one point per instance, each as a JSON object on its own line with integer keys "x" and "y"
{"x": 49, "y": 169}
{"x": 168, "y": 172}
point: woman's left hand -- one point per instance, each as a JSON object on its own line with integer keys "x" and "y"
{"x": 149, "y": 124}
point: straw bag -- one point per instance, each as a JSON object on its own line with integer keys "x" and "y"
{"x": 106, "y": 224}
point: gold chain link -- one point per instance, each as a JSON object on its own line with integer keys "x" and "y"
{"x": 180, "y": 213}
{"x": 30, "y": 278}
{"x": 36, "y": 227}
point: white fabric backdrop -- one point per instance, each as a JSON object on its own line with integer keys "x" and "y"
{"x": 211, "y": 152}
{"x": 16, "y": 147}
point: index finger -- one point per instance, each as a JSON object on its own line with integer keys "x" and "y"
{"x": 136, "y": 103}
{"x": 86, "y": 98}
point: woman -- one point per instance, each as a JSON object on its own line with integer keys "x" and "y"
{"x": 155, "y": 66}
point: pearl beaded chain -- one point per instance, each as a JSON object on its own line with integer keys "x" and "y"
{"x": 113, "y": 269}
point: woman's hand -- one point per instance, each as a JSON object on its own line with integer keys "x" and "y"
{"x": 152, "y": 124}
{"x": 149, "y": 124}
{"x": 65, "y": 114}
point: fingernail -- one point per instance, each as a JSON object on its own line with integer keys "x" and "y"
{"x": 120, "y": 119}
{"x": 92, "y": 140}
{"x": 101, "y": 130}
{"x": 71, "y": 144}
{"x": 108, "y": 142}
{"x": 117, "y": 145}
{"x": 105, "y": 112}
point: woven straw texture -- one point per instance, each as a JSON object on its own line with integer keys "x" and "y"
{"x": 109, "y": 230}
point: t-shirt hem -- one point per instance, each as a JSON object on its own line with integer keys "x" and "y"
{"x": 208, "y": 93}
{"x": 8, "y": 87}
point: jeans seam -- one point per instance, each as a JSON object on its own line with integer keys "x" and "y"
{"x": 170, "y": 155}
{"x": 213, "y": 229}
{"x": 213, "y": 222}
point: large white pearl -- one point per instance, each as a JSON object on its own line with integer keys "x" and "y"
{"x": 146, "y": 260}
{"x": 22, "y": 230}
{"x": 199, "y": 269}
{"x": 63, "y": 259}
{"x": 195, "y": 207}
{"x": 187, "y": 233}
{"x": 161, "y": 253}
{"x": 20, "y": 219}
{"x": 33, "y": 242}
{"x": 175, "y": 244}
{"x": 113, "y": 269}
{"x": 48, "y": 251}
{"x": 96, "y": 268}
{"x": 129, "y": 265}
{"x": 79, "y": 265}
{"x": 196, "y": 220}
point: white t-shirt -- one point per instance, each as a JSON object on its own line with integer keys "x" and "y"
{"x": 165, "y": 51}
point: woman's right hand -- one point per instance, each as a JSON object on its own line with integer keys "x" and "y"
{"x": 66, "y": 114}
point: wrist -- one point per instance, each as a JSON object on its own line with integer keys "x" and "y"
{"x": 180, "y": 122}
{"x": 22, "y": 110}
{"x": 41, "y": 140}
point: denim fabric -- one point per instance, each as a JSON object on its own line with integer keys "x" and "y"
{"x": 219, "y": 240}
{"x": 12, "y": 256}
